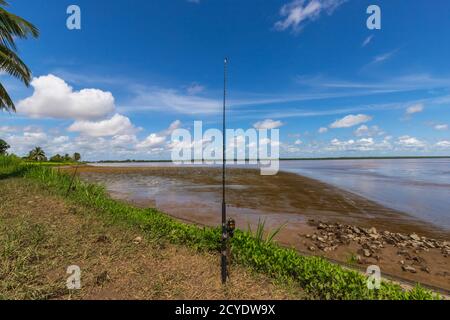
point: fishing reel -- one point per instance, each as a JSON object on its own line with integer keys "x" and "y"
{"x": 231, "y": 227}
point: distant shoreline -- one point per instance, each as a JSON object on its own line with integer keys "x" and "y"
{"x": 289, "y": 159}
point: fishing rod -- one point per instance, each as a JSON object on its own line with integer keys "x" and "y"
{"x": 228, "y": 226}
{"x": 224, "y": 205}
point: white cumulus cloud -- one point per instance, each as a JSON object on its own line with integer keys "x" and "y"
{"x": 410, "y": 142}
{"x": 117, "y": 125}
{"x": 419, "y": 107}
{"x": 153, "y": 140}
{"x": 158, "y": 140}
{"x": 364, "y": 130}
{"x": 443, "y": 144}
{"x": 268, "y": 124}
{"x": 350, "y": 121}
{"x": 54, "y": 98}
{"x": 363, "y": 144}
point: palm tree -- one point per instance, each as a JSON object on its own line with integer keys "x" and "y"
{"x": 4, "y": 146}
{"x": 37, "y": 154}
{"x": 76, "y": 156}
{"x": 13, "y": 27}
{"x": 56, "y": 158}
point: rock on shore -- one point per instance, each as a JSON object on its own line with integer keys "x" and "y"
{"x": 329, "y": 236}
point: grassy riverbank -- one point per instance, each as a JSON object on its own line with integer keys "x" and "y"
{"x": 317, "y": 277}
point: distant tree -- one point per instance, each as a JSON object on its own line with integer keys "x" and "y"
{"x": 57, "y": 158}
{"x": 37, "y": 154}
{"x": 76, "y": 156}
{"x": 3, "y": 147}
{"x": 67, "y": 158}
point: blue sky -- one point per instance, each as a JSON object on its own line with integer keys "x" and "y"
{"x": 118, "y": 87}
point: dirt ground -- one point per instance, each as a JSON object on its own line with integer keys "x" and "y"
{"x": 41, "y": 235}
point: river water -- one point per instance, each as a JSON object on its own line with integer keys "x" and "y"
{"x": 418, "y": 187}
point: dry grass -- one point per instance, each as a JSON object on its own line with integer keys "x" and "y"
{"x": 41, "y": 235}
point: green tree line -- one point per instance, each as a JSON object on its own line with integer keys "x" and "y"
{"x": 38, "y": 154}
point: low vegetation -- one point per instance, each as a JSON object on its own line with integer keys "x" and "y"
{"x": 318, "y": 277}
{"x": 38, "y": 155}
{"x": 4, "y": 146}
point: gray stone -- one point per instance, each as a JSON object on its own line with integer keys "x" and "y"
{"x": 425, "y": 269}
{"x": 415, "y": 237}
{"x": 137, "y": 240}
{"x": 407, "y": 268}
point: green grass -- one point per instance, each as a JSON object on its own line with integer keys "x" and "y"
{"x": 352, "y": 259}
{"x": 23, "y": 245}
{"x": 260, "y": 232}
{"x": 52, "y": 164}
{"x": 318, "y": 277}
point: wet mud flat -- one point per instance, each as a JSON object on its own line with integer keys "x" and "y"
{"x": 193, "y": 194}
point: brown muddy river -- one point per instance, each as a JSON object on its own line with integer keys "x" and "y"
{"x": 194, "y": 194}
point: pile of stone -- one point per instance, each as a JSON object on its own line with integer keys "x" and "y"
{"x": 331, "y": 235}
{"x": 410, "y": 263}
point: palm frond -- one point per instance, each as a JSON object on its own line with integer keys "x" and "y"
{"x": 6, "y": 102}
{"x": 13, "y": 65}
{"x": 12, "y": 26}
